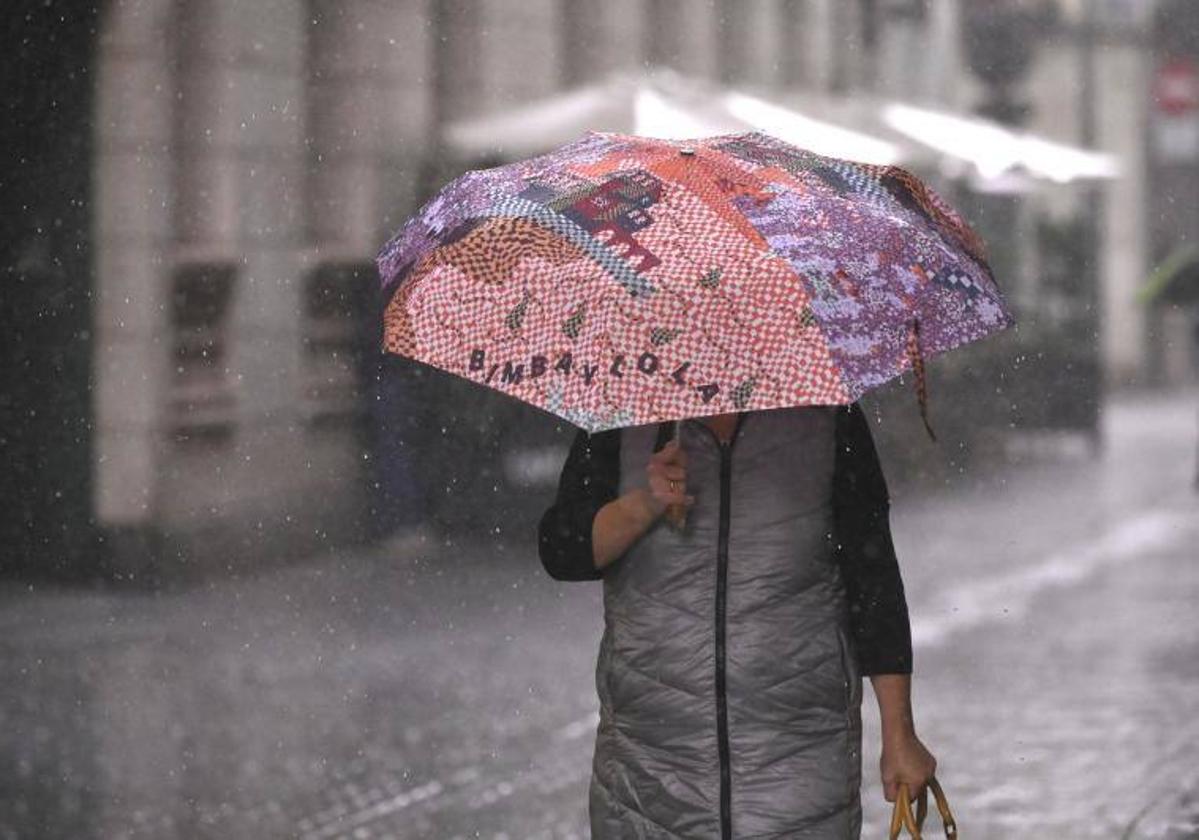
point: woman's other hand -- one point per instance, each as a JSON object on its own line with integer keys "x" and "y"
{"x": 666, "y": 475}
{"x": 905, "y": 759}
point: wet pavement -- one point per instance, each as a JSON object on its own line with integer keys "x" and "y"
{"x": 450, "y": 694}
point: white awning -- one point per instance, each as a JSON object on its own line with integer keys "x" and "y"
{"x": 818, "y": 136}
{"x": 663, "y": 103}
{"x": 990, "y": 156}
{"x": 995, "y": 150}
{"x": 660, "y": 103}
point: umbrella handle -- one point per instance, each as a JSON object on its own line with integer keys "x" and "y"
{"x": 677, "y": 514}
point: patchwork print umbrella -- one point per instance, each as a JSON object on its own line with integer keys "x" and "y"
{"x": 621, "y": 280}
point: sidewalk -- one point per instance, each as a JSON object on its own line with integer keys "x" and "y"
{"x": 1056, "y": 630}
{"x": 451, "y": 695}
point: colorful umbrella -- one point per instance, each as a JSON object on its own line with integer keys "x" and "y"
{"x": 621, "y": 280}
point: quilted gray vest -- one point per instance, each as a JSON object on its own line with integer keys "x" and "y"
{"x": 729, "y": 692}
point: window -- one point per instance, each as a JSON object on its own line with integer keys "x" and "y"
{"x": 338, "y": 331}
{"x": 201, "y": 401}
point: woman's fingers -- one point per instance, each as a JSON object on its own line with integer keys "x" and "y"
{"x": 891, "y": 791}
{"x": 667, "y": 490}
{"x": 671, "y": 453}
{"x": 670, "y": 493}
{"x": 676, "y": 473}
{"x": 906, "y": 760}
{"x": 667, "y": 475}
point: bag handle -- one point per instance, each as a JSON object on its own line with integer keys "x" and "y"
{"x": 902, "y": 817}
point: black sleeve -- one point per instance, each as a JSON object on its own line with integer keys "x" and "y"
{"x": 862, "y": 505}
{"x": 590, "y": 479}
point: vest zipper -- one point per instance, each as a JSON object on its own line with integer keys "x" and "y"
{"x": 722, "y": 573}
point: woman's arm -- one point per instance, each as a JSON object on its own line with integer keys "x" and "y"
{"x": 589, "y": 526}
{"x": 865, "y": 552}
{"x": 894, "y": 693}
{"x": 904, "y": 757}
{"x": 589, "y": 481}
{"x": 621, "y": 522}
{"x": 878, "y": 606}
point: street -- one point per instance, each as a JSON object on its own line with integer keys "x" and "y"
{"x": 451, "y": 694}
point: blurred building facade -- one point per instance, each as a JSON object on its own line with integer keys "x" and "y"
{"x": 250, "y": 158}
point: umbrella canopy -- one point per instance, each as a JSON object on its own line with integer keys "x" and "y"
{"x": 622, "y": 280}
{"x": 659, "y": 103}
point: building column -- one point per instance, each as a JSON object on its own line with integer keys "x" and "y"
{"x": 904, "y": 52}
{"x": 748, "y": 53}
{"x": 820, "y": 44}
{"x": 368, "y": 121}
{"x": 134, "y": 203}
{"x": 683, "y": 34}
{"x": 941, "y": 60}
{"x": 1121, "y": 117}
{"x": 239, "y": 468}
{"x": 369, "y": 133}
{"x": 599, "y": 39}
{"x": 480, "y": 66}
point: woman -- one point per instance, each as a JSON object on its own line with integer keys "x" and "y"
{"x": 729, "y": 672}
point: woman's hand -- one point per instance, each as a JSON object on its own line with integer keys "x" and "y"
{"x": 621, "y": 522}
{"x": 666, "y": 475}
{"x": 905, "y": 759}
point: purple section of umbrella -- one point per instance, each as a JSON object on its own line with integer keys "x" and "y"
{"x": 861, "y": 265}
{"x": 467, "y": 198}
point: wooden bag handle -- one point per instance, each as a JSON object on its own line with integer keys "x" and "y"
{"x": 902, "y": 817}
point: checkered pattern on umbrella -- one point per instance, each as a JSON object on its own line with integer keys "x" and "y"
{"x": 622, "y": 280}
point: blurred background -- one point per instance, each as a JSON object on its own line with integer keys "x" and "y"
{"x": 257, "y": 580}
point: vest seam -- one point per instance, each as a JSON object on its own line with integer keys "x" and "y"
{"x": 629, "y": 809}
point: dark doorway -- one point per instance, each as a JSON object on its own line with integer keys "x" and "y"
{"x": 47, "y": 73}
